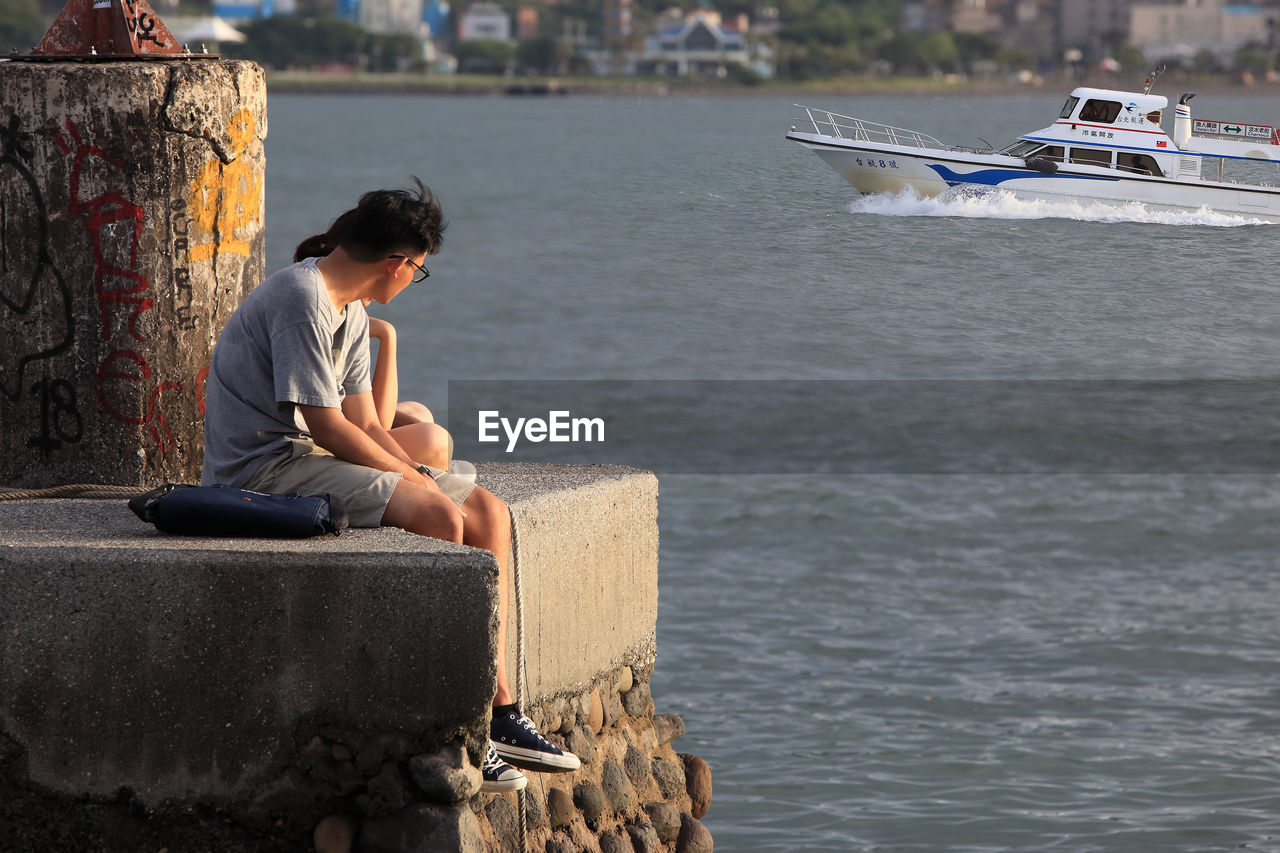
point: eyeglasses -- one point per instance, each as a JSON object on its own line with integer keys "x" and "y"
{"x": 420, "y": 274}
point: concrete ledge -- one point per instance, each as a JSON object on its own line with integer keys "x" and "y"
{"x": 193, "y": 668}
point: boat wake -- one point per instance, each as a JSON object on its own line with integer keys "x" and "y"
{"x": 1000, "y": 204}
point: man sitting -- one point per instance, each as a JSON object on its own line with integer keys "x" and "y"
{"x": 289, "y": 409}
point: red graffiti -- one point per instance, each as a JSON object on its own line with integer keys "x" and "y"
{"x": 116, "y": 279}
{"x": 202, "y": 382}
{"x": 110, "y": 372}
{"x": 115, "y": 230}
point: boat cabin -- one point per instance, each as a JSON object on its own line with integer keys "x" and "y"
{"x": 1127, "y": 110}
{"x": 1121, "y": 131}
{"x": 1105, "y": 128}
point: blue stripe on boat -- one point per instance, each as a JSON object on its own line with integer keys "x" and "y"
{"x": 995, "y": 177}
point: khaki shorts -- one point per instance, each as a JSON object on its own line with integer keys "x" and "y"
{"x": 365, "y": 492}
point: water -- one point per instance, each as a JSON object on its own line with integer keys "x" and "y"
{"x": 1080, "y": 662}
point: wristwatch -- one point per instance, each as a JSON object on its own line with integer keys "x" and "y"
{"x": 424, "y": 470}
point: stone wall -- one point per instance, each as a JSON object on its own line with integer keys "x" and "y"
{"x": 131, "y": 226}
{"x": 634, "y": 792}
{"x": 231, "y": 695}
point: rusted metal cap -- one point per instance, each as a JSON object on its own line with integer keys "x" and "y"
{"x": 96, "y": 30}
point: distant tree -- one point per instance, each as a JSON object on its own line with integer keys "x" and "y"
{"x": 21, "y": 25}
{"x": 1253, "y": 59}
{"x": 975, "y": 47}
{"x": 827, "y": 38}
{"x": 743, "y": 75}
{"x": 1130, "y": 58}
{"x": 289, "y": 42}
{"x": 921, "y": 53}
{"x": 1205, "y": 62}
{"x": 1017, "y": 60}
{"x": 483, "y": 56}
{"x": 541, "y": 55}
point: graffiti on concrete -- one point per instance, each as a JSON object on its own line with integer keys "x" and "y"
{"x": 115, "y": 225}
{"x": 37, "y": 308}
{"x": 183, "y": 299}
{"x": 226, "y": 198}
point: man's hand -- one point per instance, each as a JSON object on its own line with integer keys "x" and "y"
{"x": 362, "y": 441}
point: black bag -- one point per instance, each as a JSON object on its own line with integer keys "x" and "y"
{"x": 224, "y": 511}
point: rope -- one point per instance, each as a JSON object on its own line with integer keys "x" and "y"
{"x": 521, "y": 686}
{"x": 74, "y": 490}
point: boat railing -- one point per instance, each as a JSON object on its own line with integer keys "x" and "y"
{"x": 847, "y": 127}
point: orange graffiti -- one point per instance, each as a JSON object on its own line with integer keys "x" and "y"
{"x": 226, "y": 198}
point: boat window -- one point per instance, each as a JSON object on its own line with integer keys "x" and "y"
{"x": 1104, "y": 112}
{"x": 1070, "y": 105}
{"x": 1140, "y": 164}
{"x": 1021, "y": 148}
{"x": 1154, "y": 116}
{"x": 1092, "y": 156}
{"x": 1051, "y": 152}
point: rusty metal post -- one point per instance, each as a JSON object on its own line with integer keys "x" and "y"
{"x": 107, "y": 29}
{"x": 131, "y": 225}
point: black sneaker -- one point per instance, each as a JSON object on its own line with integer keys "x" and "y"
{"x": 499, "y": 777}
{"x": 517, "y": 740}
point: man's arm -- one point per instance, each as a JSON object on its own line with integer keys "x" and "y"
{"x": 354, "y": 434}
{"x": 386, "y": 384}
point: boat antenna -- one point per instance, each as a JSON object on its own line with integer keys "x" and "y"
{"x": 1151, "y": 78}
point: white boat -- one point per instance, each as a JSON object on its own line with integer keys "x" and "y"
{"x": 1106, "y": 146}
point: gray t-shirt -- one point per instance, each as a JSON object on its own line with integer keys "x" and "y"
{"x": 285, "y": 345}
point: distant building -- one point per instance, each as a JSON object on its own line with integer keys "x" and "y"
{"x": 617, "y": 21}
{"x": 1180, "y": 32}
{"x": 973, "y": 16}
{"x": 924, "y": 16}
{"x": 1093, "y": 26}
{"x": 699, "y": 44}
{"x": 390, "y": 16}
{"x": 484, "y": 21}
{"x": 435, "y": 14}
{"x": 243, "y": 10}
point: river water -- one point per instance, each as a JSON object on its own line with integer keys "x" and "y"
{"x": 1070, "y": 658}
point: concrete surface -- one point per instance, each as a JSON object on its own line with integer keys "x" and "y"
{"x": 133, "y": 199}
{"x": 183, "y": 667}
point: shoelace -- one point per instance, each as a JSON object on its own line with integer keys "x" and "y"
{"x": 530, "y": 727}
{"x": 492, "y": 763}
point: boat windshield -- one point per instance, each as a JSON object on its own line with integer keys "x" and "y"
{"x": 1069, "y": 107}
{"x": 1021, "y": 148}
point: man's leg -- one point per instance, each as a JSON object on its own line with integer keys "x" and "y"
{"x": 424, "y": 511}
{"x": 429, "y": 512}
{"x": 426, "y": 443}
{"x": 513, "y": 735}
{"x": 488, "y": 525}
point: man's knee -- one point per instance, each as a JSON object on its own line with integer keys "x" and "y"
{"x": 412, "y": 412}
{"x": 484, "y": 501}
{"x": 425, "y": 511}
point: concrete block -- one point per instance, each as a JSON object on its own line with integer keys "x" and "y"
{"x": 589, "y": 559}
{"x": 189, "y": 668}
{"x": 132, "y": 199}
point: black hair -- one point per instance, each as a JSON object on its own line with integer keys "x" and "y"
{"x": 383, "y": 223}
{"x": 319, "y": 245}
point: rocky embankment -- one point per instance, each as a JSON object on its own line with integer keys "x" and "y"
{"x": 633, "y": 794}
{"x": 367, "y": 792}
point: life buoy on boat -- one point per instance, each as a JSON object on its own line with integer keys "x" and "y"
{"x": 1041, "y": 164}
